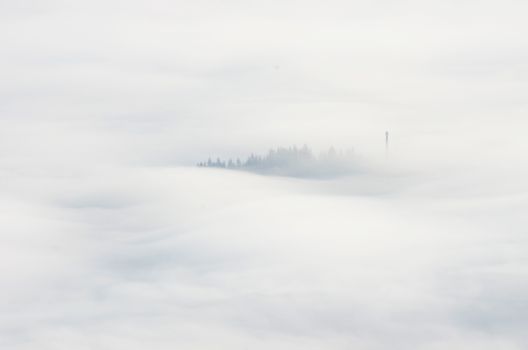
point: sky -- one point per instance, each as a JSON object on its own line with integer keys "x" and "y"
{"x": 111, "y": 238}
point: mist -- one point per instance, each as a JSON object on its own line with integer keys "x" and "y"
{"x": 112, "y": 238}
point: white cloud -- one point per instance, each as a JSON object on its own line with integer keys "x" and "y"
{"x": 109, "y": 242}
{"x": 201, "y": 258}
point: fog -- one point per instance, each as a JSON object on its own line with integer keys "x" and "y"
{"x": 112, "y": 238}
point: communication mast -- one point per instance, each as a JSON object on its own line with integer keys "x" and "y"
{"x": 386, "y": 145}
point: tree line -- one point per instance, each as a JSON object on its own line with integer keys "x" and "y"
{"x": 290, "y": 160}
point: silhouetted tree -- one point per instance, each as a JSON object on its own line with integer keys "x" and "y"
{"x": 292, "y": 160}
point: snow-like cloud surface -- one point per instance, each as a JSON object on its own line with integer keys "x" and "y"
{"x": 201, "y": 258}
{"x": 110, "y": 240}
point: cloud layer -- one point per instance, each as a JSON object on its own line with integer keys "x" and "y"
{"x": 110, "y": 240}
{"x": 201, "y": 258}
